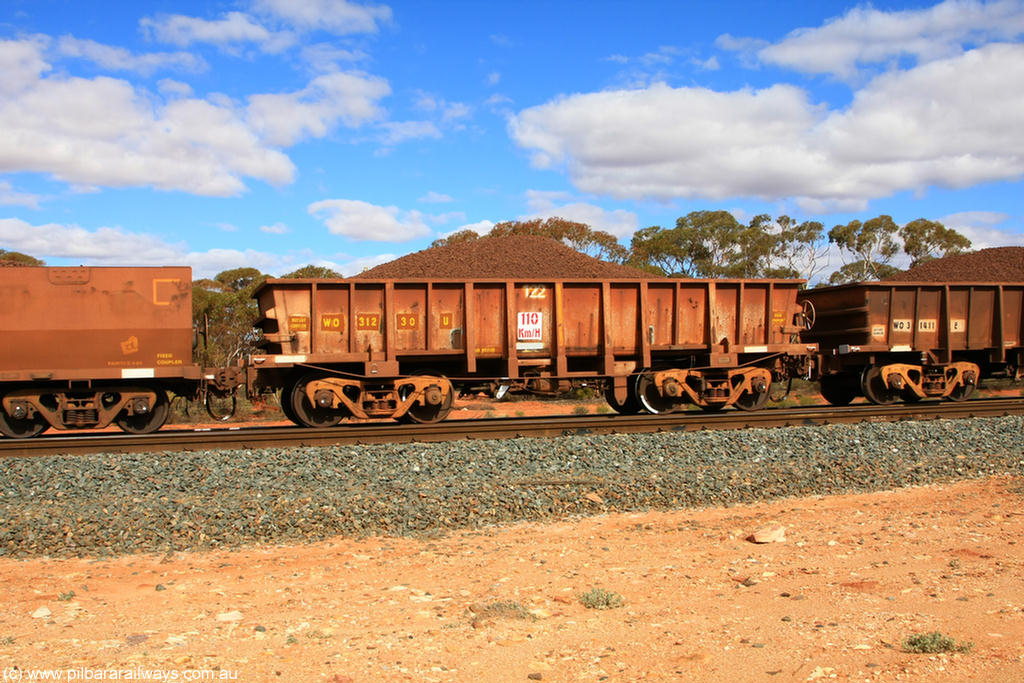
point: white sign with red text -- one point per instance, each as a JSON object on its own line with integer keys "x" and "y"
{"x": 531, "y": 326}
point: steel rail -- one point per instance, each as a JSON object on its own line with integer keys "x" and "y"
{"x": 189, "y": 440}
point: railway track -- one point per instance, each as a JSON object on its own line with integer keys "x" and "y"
{"x": 173, "y": 440}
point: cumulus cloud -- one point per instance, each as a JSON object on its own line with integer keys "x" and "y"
{"x": 865, "y": 36}
{"x": 233, "y": 28}
{"x": 618, "y": 222}
{"x": 107, "y": 132}
{"x": 288, "y": 19}
{"x": 435, "y": 198}
{"x": 112, "y": 246}
{"x": 480, "y": 227}
{"x": 904, "y": 130}
{"x": 11, "y": 197}
{"x": 120, "y": 59}
{"x": 361, "y": 220}
{"x": 335, "y": 16}
{"x": 395, "y": 132}
{"x": 349, "y": 97}
{"x": 982, "y": 228}
{"x": 275, "y": 229}
{"x": 22, "y": 64}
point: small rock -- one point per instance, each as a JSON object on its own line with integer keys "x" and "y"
{"x": 230, "y": 616}
{"x": 768, "y": 534}
{"x": 42, "y": 613}
{"x": 535, "y": 676}
{"x": 594, "y": 498}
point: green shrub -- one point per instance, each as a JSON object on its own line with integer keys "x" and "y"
{"x": 934, "y": 642}
{"x": 599, "y": 598}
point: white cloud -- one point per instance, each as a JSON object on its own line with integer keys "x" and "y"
{"x": 664, "y": 142}
{"x": 102, "y": 131}
{"x": 335, "y": 16}
{"x": 10, "y": 197}
{"x": 905, "y": 130}
{"x": 865, "y": 35}
{"x": 349, "y": 97}
{"x": 173, "y": 88}
{"x": 709, "y": 64}
{"x": 454, "y": 111}
{"x": 21, "y": 63}
{"x": 107, "y": 132}
{"x": 361, "y": 220}
{"x": 120, "y": 59}
{"x": 443, "y": 218}
{"x": 480, "y": 227}
{"x": 493, "y": 78}
{"x": 358, "y": 265}
{"x": 233, "y": 28}
{"x": 435, "y": 198}
{"x": 395, "y": 132}
{"x": 981, "y": 228}
{"x": 323, "y": 57}
{"x": 275, "y": 229}
{"x": 107, "y": 246}
{"x": 103, "y": 246}
{"x": 618, "y": 222}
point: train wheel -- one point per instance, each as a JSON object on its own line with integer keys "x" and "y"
{"x": 305, "y": 413}
{"x": 22, "y": 428}
{"x": 874, "y": 387}
{"x": 649, "y": 397}
{"x": 751, "y": 400}
{"x": 146, "y": 423}
{"x": 839, "y": 390}
{"x": 631, "y": 406}
{"x": 427, "y": 413}
{"x": 962, "y": 392}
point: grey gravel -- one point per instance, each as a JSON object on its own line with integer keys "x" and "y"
{"x": 113, "y": 504}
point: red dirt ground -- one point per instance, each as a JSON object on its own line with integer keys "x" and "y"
{"x": 854, "y": 577}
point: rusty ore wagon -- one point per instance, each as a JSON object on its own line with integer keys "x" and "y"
{"x": 913, "y": 340}
{"x": 85, "y": 347}
{"x": 403, "y": 348}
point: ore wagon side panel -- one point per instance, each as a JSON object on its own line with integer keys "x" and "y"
{"x": 487, "y": 320}
{"x": 534, "y": 307}
{"x": 692, "y": 325}
{"x": 96, "y": 322}
{"x": 330, "y": 327}
{"x": 918, "y": 316}
{"x": 582, "y": 311}
{"x": 622, "y": 317}
{"x": 526, "y": 326}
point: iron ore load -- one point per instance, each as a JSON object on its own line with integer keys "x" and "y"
{"x": 86, "y": 347}
{"x": 404, "y": 348}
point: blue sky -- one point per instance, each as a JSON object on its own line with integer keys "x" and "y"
{"x": 276, "y": 133}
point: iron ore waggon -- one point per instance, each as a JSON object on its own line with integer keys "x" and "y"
{"x": 888, "y": 341}
{"x": 404, "y": 348}
{"x": 85, "y": 347}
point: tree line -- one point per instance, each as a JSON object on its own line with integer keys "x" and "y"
{"x": 714, "y": 244}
